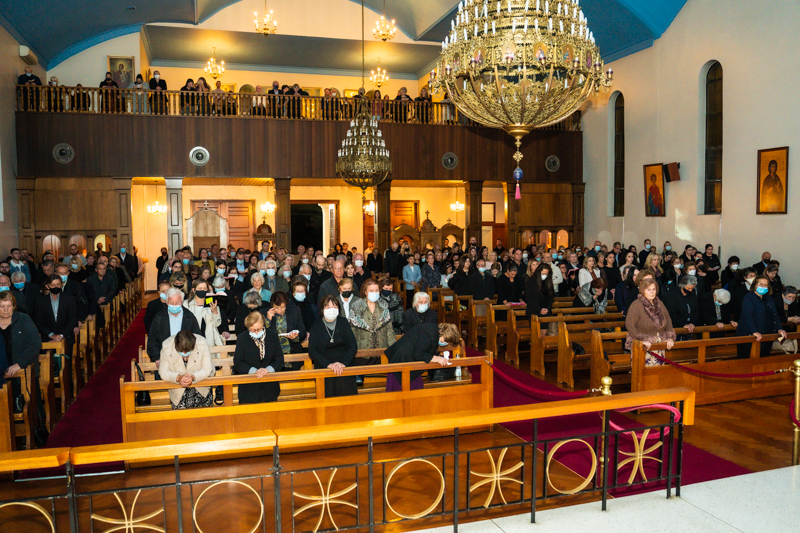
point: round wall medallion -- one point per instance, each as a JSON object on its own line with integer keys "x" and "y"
{"x": 63, "y": 153}
{"x": 199, "y": 156}
{"x": 449, "y": 160}
{"x": 552, "y": 163}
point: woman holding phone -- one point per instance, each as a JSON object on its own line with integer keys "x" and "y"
{"x": 205, "y": 310}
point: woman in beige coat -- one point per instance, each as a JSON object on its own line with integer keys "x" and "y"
{"x": 648, "y": 321}
{"x": 186, "y": 360}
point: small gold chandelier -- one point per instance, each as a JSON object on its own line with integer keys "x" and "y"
{"x": 519, "y": 64}
{"x": 385, "y": 30}
{"x": 380, "y": 78}
{"x": 363, "y": 160}
{"x": 214, "y": 70}
{"x": 369, "y": 208}
{"x": 269, "y": 25}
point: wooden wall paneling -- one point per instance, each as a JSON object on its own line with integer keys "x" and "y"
{"x": 383, "y": 227}
{"x": 174, "y": 214}
{"x": 26, "y": 213}
{"x": 473, "y": 210}
{"x": 283, "y": 212}
{"x": 122, "y": 191}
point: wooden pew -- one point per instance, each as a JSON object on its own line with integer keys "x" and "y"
{"x": 47, "y": 386}
{"x": 63, "y": 371}
{"x": 304, "y": 412}
{"x": 478, "y": 319}
{"x": 580, "y": 333}
{"x": 24, "y": 423}
{"x": 715, "y": 390}
{"x": 8, "y": 434}
{"x": 447, "y": 310}
{"x": 542, "y": 343}
{"x": 462, "y": 312}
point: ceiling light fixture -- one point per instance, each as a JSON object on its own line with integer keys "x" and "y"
{"x": 214, "y": 70}
{"x": 380, "y": 78}
{"x": 269, "y": 25}
{"x": 385, "y": 30}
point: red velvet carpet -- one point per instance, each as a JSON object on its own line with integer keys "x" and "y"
{"x": 698, "y": 465}
{"x": 95, "y": 415}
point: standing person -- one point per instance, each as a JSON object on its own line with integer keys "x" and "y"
{"x": 158, "y": 97}
{"x": 370, "y": 320}
{"x": 539, "y": 293}
{"x": 56, "y": 315}
{"x": 332, "y": 345}
{"x": 412, "y": 275}
{"x": 431, "y": 276}
{"x": 30, "y": 96}
{"x": 308, "y": 311}
{"x": 683, "y": 306}
{"x": 128, "y": 261}
{"x": 347, "y": 297}
{"x": 393, "y": 303}
{"x": 110, "y": 98}
{"x": 482, "y": 286}
{"x": 186, "y": 361}
{"x": 758, "y": 317}
{"x": 713, "y": 266}
{"x": 648, "y": 321}
{"x": 589, "y": 272}
{"x": 460, "y": 280}
{"x": 420, "y": 344}
{"x": 285, "y": 317}
{"x": 729, "y": 274}
{"x": 646, "y": 251}
{"x": 168, "y": 322}
{"x": 392, "y": 261}
{"x": 375, "y": 260}
{"x": 259, "y": 352}
{"x": 611, "y": 273}
{"x": 626, "y": 291}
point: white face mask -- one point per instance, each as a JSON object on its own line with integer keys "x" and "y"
{"x": 748, "y": 282}
{"x": 421, "y": 308}
{"x": 544, "y": 277}
{"x": 373, "y": 296}
{"x": 359, "y": 263}
{"x": 692, "y": 272}
{"x": 735, "y": 267}
{"x": 331, "y": 313}
{"x": 157, "y": 77}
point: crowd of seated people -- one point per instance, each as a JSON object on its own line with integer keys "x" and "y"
{"x": 198, "y": 98}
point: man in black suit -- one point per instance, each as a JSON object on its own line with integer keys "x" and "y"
{"x": 30, "y": 96}
{"x": 276, "y": 110}
{"x": 759, "y": 267}
{"x": 481, "y": 282}
{"x": 420, "y": 312}
{"x": 318, "y": 276}
{"x": 128, "y": 261}
{"x": 156, "y": 305}
{"x": 375, "y": 260}
{"x": 74, "y": 289}
{"x": 644, "y": 253}
{"x": 168, "y": 322}
{"x": 56, "y": 317}
{"x": 362, "y": 273}
{"x": 158, "y": 100}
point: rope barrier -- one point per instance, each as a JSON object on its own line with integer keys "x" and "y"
{"x": 539, "y": 393}
{"x": 717, "y": 374}
{"x": 670, "y": 408}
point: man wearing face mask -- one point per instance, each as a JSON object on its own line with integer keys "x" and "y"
{"x": 393, "y": 263}
{"x": 109, "y": 97}
{"x": 168, "y": 322}
{"x": 128, "y": 261}
{"x": 419, "y": 313}
{"x": 648, "y": 247}
{"x": 162, "y": 260}
{"x": 481, "y": 282}
{"x": 330, "y": 287}
{"x": 759, "y": 267}
{"x": 16, "y": 290}
{"x": 75, "y": 290}
{"x": 156, "y": 305}
{"x": 56, "y": 317}
{"x": 595, "y": 249}
{"x": 375, "y": 260}
{"x": 273, "y": 282}
{"x": 158, "y": 99}
{"x": 741, "y": 286}
{"x": 362, "y": 273}
{"x": 30, "y": 96}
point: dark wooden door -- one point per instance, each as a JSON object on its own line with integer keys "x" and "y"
{"x": 404, "y": 212}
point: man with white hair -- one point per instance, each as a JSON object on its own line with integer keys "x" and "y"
{"x": 420, "y": 312}
{"x": 272, "y": 281}
{"x": 168, "y": 322}
{"x": 5, "y": 285}
{"x": 362, "y": 272}
{"x": 715, "y": 309}
{"x": 330, "y": 287}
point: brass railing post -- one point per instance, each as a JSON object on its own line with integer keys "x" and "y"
{"x": 796, "y": 439}
{"x": 605, "y": 390}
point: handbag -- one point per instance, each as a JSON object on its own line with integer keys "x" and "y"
{"x": 142, "y": 397}
{"x": 788, "y": 346}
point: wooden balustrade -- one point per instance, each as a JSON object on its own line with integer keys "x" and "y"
{"x": 94, "y": 100}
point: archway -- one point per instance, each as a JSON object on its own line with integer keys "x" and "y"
{"x": 80, "y": 242}
{"x": 562, "y": 238}
{"x": 52, "y": 244}
{"x": 105, "y": 240}
{"x": 546, "y": 238}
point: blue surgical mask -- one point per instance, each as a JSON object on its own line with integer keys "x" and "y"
{"x": 185, "y": 261}
{"x": 481, "y": 269}
{"x": 240, "y": 262}
{"x": 373, "y": 296}
{"x": 4, "y": 289}
{"x": 596, "y": 248}
{"x": 63, "y": 279}
{"x": 307, "y": 276}
{"x": 262, "y": 271}
{"x": 185, "y": 354}
{"x": 560, "y": 257}
{"x": 646, "y": 246}
{"x": 300, "y": 296}
{"x": 270, "y": 272}
{"x": 287, "y": 274}
{"x": 19, "y": 286}
{"x": 122, "y": 250}
{"x": 668, "y": 247}
{"x": 75, "y": 267}
{"x": 257, "y": 335}
{"x": 762, "y": 290}
{"x": 443, "y": 343}
{"x": 174, "y": 309}
{"x": 163, "y": 296}
{"x": 221, "y": 270}
{"x": 422, "y": 308}
{"x": 718, "y": 304}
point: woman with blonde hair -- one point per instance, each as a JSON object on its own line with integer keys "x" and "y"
{"x": 589, "y": 272}
{"x": 653, "y": 262}
{"x": 209, "y": 318}
{"x": 420, "y": 344}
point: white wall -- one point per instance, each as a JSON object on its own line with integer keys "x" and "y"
{"x": 89, "y": 67}
{"x": 664, "y": 123}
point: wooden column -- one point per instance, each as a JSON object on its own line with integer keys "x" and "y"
{"x": 383, "y": 228}
{"x": 474, "y": 208}
{"x": 26, "y": 214}
{"x": 578, "y": 190}
{"x": 122, "y": 195}
{"x": 174, "y": 214}
{"x": 283, "y": 212}
{"x": 512, "y": 230}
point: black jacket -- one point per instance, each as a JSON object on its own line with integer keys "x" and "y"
{"x": 507, "y": 290}
{"x": 25, "y": 341}
{"x": 294, "y": 321}
{"x": 47, "y": 323}
{"x": 75, "y": 289}
{"x": 708, "y": 311}
{"x": 420, "y": 343}
{"x": 375, "y": 262}
{"x": 153, "y": 308}
{"x": 536, "y": 299}
{"x": 759, "y": 268}
{"x": 241, "y": 313}
{"x": 131, "y": 264}
{"x": 738, "y": 291}
{"x": 247, "y": 356}
{"x": 683, "y": 308}
{"x": 159, "y": 331}
{"x": 460, "y": 283}
{"x": 342, "y": 350}
{"x": 412, "y": 318}
{"x": 393, "y": 263}
{"x": 482, "y": 285}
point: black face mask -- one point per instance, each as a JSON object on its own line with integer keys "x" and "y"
{"x": 386, "y": 292}
{"x": 55, "y": 290}
{"x": 201, "y": 294}
{"x": 180, "y": 287}
{"x": 347, "y": 294}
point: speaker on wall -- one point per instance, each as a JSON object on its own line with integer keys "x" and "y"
{"x": 672, "y": 172}
{"x": 199, "y": 156}
{"x": 449, "y": 160}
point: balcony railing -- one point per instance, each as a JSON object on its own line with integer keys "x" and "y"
{"x": 102, "y": 101}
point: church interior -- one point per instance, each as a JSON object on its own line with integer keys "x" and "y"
{"x": 197, "y": 194}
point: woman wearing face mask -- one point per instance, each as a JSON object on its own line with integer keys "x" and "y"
{"x": 690, "y": 269}
{"x": 739, "y": 289}
{"x": 420, "y": 312}
{"x": 460, "y": 280}
{"x": 308, "y": 311}
{"x": 412, "y": 276}
{"x": 110, "y": 98}
{"x": 758, "y": 317}
{"x": 420, "y": 344}
{"x": 284, "y": 316}
{"x": 370, "y": 319}
{"x": 730, "y": 272}
{"x": 77, "y": 272}
{"x": 178, "y": 280}
{"x": 789, "y": 307}
{"x": 186, "y": 361}
{"x": 207, "y": 315}
{"x": 393, "y": 303}
{"x": 56, "y": 314}
{"x": 139, "y": 103}
{"x": 539, "y": 292}
{"x": 332, "y": 345}
{"x": 648, "y": 321}
{"x": 258, "y": 351}
{"x": 669, "y": 280}
{"x": 667, "y": 249}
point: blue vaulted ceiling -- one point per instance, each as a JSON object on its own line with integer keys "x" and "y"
{"x": 56, "y": 30}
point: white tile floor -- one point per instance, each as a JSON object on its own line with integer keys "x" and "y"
{"x": 767, "y": 502}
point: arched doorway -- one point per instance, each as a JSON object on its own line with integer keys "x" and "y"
{"x": 546, "y": 238}
{"x": 562, "y": 238}
{"x": 80, "y": 242}
{"x": 105, "y": 240}
{"x": 52, "y": 244}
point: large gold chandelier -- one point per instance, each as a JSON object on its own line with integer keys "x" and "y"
{"x": 363, "y": 160}
{"x": 519, "y": 64}
{"x": 384, "y": 30}
{"x": 269, "y": 25}
{"x": 213, "y": 69}
{"x": 380, "y": 78}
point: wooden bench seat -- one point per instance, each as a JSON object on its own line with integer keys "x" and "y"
{"x": 478, "y": 319}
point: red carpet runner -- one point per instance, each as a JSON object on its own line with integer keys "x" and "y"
{"x": 95, "y": 416}
{"x": 698, "y": 465}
